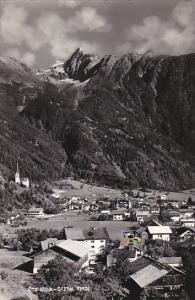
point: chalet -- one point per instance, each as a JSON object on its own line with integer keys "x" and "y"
{"x": 159, "y": 232}
{"x": 174, "y": 216}
{"x": 35, "y": 212}
{"x": 157, "y": 281}
{"x": 188, "y": 222}
{"x": 48, "y": 243}
{"x": 186, "y": 213}
{"x": 141, "y": 215}
{"x": 72, "y": 251}
{"x": 184, "y": 233}
{"x": 141, "y": 233}
{"x": 95, "y": 238}
{"x": 123, "y": 204}
{"x": 117, "y": 253}
{"x": 118, "y": 216}
{"x": 74, "y": 206}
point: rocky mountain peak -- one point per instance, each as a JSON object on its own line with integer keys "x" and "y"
{"x": 80, "y": 65}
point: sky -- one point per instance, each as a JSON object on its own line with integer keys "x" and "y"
{"x": 40, "y": 32}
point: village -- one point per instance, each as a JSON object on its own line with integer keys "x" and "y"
{"x": 154, "y": 231}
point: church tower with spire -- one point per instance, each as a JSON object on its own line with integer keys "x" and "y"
{"x": 17, "y": 175}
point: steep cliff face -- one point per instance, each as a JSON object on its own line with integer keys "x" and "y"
{"x": 127, "y": 119}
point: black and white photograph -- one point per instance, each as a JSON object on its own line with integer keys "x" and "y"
{"x": 97, "y": 149}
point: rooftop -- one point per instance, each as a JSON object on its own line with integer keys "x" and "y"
{"x": 74, "y": 247}
{"x": 170, "y": 260}
{"x": 148, "y": 275}
{"x": 93, "y": 233}
{"x": 181, "y": 230}
{"x": 74, "y": 234}
{"x": 46, "y": 243}
{"x": 159, "y": 230}
{"x": 35, "y": 209}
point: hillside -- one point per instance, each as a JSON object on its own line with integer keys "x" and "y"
{"x": 120, "y": 119}
{"x": 39, "y": 156}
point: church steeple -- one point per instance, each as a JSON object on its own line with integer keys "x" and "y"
{"x": 17, "y": 175}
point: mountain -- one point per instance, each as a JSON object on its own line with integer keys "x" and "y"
{"x": 126, "y": 120}
{"x": 39, "y": 156}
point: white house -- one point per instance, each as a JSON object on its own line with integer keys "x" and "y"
{"x": 96, "y": 239}
{"x": 159, "y": 232}
{"x": 186, "y": 213}
{"x": 141, "y": 215}
{"x": 36, "y": 212}
{"x": 174, "y": 216}
{"x": 188, "y": 222}
{"x": 118, "y": 215}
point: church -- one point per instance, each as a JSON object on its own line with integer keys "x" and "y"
{"x": 21, "y": 181}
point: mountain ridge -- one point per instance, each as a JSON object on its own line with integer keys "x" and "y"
{"x": 131, "y": 117}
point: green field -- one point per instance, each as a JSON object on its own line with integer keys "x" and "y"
{"x": 115, "y": 228}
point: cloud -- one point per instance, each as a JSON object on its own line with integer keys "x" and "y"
{"x": 176, "y": 36}
{"x": 88, "y": 19}
{"x": 61, "y": 36}
{"x": 27, "y": 57}
{"x": 14, "y": 28}
{"x": 62, "y": 43}
{"x": 68, "y": 3}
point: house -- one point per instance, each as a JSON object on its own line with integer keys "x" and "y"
{"x": 141, "y": 215}
{"x": 188, "y": 222}
{"x": 163, "y": 197}
{"x": 117, "y": 253}
{"x": 48, "y": 243}
{"x": 131, "y": 253}
{"x": 105, "y": 212}
{"x": 74, "y": 206}
{"x": 186, "y": 213}
{"x": 118, "y": 215}
{"x": 175, "y": 261}
{"x": 141, "y": 233}
{"x": 86, "y": 207}
{"x": 36, "y": 212}
{"x": 123, "y": 204}
{"x": 72, "y": 251}
{"x": 174, "y": 216}
{"x": 155, "y": 210}
{"x": 184, "y": 233}
{"x": 159, "y": 232}
{"x": 95, "y": 238}
{"x": 157, "y": 281}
